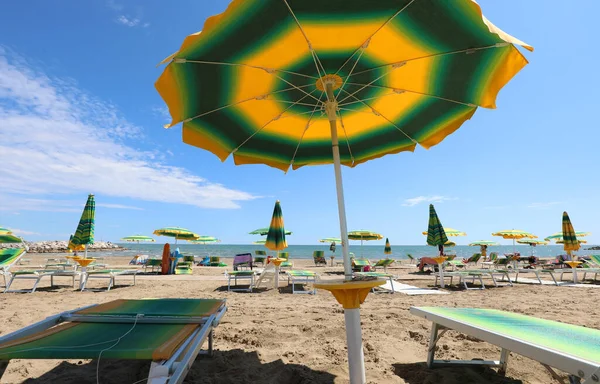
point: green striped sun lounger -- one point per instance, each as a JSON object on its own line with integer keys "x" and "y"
{"x": 35, "y": 275}
{"x": 382, "y": 275}
{"x": 462, "y": 278}
{"x": 302, "y": 277}
{"x": 108, "y": 274}
{"x": 8, "y": 258}
{"x": 240, "y": 275}
{"x": 569, "y": 348}
{"x": 383, "y": 263}
{"x": 358, "y": 265}
{"x": 169, "y": 332}
{"x": 287, "y": 263}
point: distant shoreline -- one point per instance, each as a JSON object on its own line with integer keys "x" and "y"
{"x": 61, "y": 246}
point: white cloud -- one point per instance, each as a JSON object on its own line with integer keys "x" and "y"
{"x": 426, "y": 199}
{"x": 126, "y": 19}
{"x": 57, "y": 140}
{"x": 129, "y": 21}
{"x": 163, "y": 113}
{"x": 543, "y": 205}
{"x": 22, "y": 232}
{"x": 118, "y": 206}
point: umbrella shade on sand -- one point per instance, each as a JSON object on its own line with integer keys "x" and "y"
{"x": 255, "y": 82}
{"x": 84, "y": 235}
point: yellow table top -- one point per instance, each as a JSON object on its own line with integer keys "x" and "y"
{"x": 84, "y": 262}
{"x": 440, "y": 259}
{"x": 277, "y": 261}
{"x": 350, "y": 293}
{"x": 572, "y": 263}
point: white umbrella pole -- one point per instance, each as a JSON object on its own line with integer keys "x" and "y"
{"x": 356, "y": 361}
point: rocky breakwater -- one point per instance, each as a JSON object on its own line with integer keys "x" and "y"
{"x": 61, "y": 246}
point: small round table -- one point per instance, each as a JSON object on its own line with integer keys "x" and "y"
{"x": 351, "y": 294}
{"x": 83, "y": 263}
{"x": 440, "y": 261}
{"x": 573, "y": 264}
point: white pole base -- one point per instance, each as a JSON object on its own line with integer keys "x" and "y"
{"x": 356, "y": 358}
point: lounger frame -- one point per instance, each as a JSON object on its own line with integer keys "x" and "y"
{"x": 242, "y": 276}
{"x": 577, "y": 368}
{"x": 171, "y": 371}
{"x": 111, "y": 276}
{"x": 302, "y": 280}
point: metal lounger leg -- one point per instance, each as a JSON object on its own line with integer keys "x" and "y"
{"x": 503, "y": 361}
{"x": 481, "y": 282}
{"x": 433, "y": 339}
{"x": 210, "y": 343}
{"x": 494, "y": 280}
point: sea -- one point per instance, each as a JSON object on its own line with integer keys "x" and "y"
{"x": 399, "y": 252}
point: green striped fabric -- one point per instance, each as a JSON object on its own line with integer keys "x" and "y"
{"x": 85, "y": 229}
{"x": 4, "y": 230}
{"x": 9, "y": 238}
{"x": 176, "y": 232}
{"x": 265, "y": 232}
{"x": 364, "y": 235}
{"x": 276, "y": 235}
{"x": 576, "y": 341}
{"x": 569, "y": 237}
{"x": 9, "y": 255}
{"x": 137, "y": 238}
{"x": 156, "y": 307}
{"x": 387, "y": 250}
{"x": 435, "y": 231}
{"x": 296, "y": 273}
{"x": 409, "y": 72}
{"x": 489, "y": 243}
{"x": 559, "y": 235}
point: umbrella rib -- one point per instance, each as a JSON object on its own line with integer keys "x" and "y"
{"x": 366, "y": 42}
{"x": 184, "y": 61}
{"x": 465, "y": 50}
{"x": 346, "y": 136}
{"x": 385, "y": 118}
{"x": 305, "y": 129}
{"x": 362, "y": 50}
{"x": 366, "y": 85}
{"x": 267, "y": 123}
{"x": 401, "y": 90}
{"x": 369, "y": 98}
{"x": 259, "y": 97}
{"x": 310, "y": 47}
{"x": 296, "y": 87}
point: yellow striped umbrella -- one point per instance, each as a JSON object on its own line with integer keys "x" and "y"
{"x": 276, "y": 236}
{"x": 570, "y": 242}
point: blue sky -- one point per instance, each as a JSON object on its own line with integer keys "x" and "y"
{"x": 79, "y": 114}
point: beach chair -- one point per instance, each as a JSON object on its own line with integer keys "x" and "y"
{"x": 383, "y": 263}
{"x": 184, "y": 268}
{"x": 491, "y": 261}
{"x": 287, "y": 263}
{"x": 240, "y": 275}
{"x": 152, "y": 264}
{"x": 242, "y": 260}
{"x": 302, "y": 277}
{"x": 382, "y": 275}
{"x": 266, "y": 277}
{"x": 569, "y": 348}
{"x": 8, "y": 258}
{"x": 106, "y": 274}
{"x": 319, "y": 258}
{"x": 169, "y": 332}
{"x": 35, "y": 275}
{"x": 215, "y": 261}
{"x": 411, "y": 259}
{"x": 359, "y": 265}
{"x": 261, "y": 256}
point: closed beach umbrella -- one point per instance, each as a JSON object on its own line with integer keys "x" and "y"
{"x": 435, "y": 231}
{"x": 276, "y": 236}
{"x": 73, "y": 247}
{"x": 532, "y": 242}
{"x": 514, "y": 234}
{"x": 387, "y": 250}
{"x": 569, "y": 236}
{"x": 84, "y": 235}
{"x": 265, "y": 232}
{"x": 255, "y": 82}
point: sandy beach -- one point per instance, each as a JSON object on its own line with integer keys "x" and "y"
{"x": 277, "y": 337}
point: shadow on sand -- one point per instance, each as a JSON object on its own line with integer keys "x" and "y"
{"x": 233, "y": 366}
{"x": 418, "y": 373}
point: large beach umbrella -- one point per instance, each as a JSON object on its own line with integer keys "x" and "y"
{"x": 84, "y": 234}
{"x": 532, "y": 243}
{"x": 259, "y": 242}
{"x": 387, "y": 250}
{"x": 177, "y": 233}
{"x": 265, "y": 232}
{"x": 483, "y": 244}
{"x": 514, "y": 234}
{"x": 435, "y": 232}
{"x": 570, "y": 242}
{"x": 330, "y": 240}
{"x": 8, "y": 237}
{"x": 137, "y": 239}
{"x": 205, "y": 240}
{"x": 255, "y": 82}
{"x": 580, "y": 241}
{"x": 451, "y": 232}
{"x": 362, "y": 235}
{"x": 559, "y": 235}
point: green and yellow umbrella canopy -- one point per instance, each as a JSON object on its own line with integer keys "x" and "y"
{"x": 330, "y": 240}
{"x": 137, "y": 239}
{"x": 451, "y": 232}
{"x": 265, "y": 232}
{"x": 435, "y": 231}
{"x": 513, "y": 234}
{"x": 74, "y": 247}
{"x": 404, "y": 72}
{"x": 388, "y": 248}
{"x": 84, "y": 234}
{"x": 259, "y": 242}
{"x": 570, "y": 242}
{"x": 4, "y": 230}
{"x": 177, "y": 233}
{"x": 276, "y": 236}
{"x": 532, "y": 242}
{"x": 480, "y": 243}
{"x": 205, "y": 240}
{"x": 364, "y": 235}
{"x": 559, "y": 235}
{"x": 8, "y": 237}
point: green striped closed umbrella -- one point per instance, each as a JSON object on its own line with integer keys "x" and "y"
{"x": 387, "y": 250}
{"x": 435, "y": 231}
{"x": 276, "y": 235}
{"x": 569, "y": 236}
{"x": 84, "y": 235}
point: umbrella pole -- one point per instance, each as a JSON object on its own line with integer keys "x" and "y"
{"x": 356, "y": 363}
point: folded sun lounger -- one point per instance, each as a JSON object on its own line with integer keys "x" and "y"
{"x": 170, "y": 332}
{"x": 570, "y": 348}
{"x": 302, "y": 277}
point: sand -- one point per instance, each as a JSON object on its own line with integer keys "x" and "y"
{"x": 275, "y": 337}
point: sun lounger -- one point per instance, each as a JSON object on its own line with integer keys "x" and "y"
{"x": 383, "y": 263}
{"x": 359, "y": 265}
{"x": 169, "y": 332}
{"x": 261, "y": 256}
{"x": 152, "y": 264}
{"x": 570, "y": 348}
{"x": 35, "y": 275}
{"x": 382, "y": 275}
{"x": 8, "y": 258}
{"x": 109, "y": 274}
{"x": 287, "y": 263}
{"x": 319, "y": 258}
{"x": 183, "y": 268}
{"x": 242, "y": 260}
{"x": 240, "y": 275}
{"x": 215, "y": 261}
{"x": 462, "y": 278}
{"x": 302, "y": 277}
